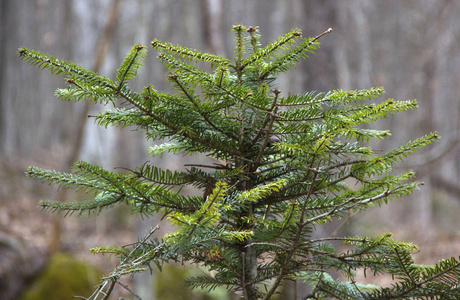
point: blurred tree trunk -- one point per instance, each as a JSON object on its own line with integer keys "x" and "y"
{"x": 77, "y": 136}
{"x": 213, "y": 31}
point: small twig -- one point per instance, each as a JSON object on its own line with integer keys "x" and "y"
{"x": 140, "y": 243}
{"x": 356, "y": 287}
{"x": 267, "y": 127}
{"x": 109, "y": 290}
{"x": 338, "y": 239}
{"x": 216, "y": 166}
{"x": 125, "y": 286}
{"x": 318, "y": 36}
{"x": 100, "y": 290}
{"x": 266, "y": 244}
{"x": 102, "y": 286}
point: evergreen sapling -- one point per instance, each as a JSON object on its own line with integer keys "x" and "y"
{"x": 285, "y": 164}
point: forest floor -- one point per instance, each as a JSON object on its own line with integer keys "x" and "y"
{"x": 28, "y": 235}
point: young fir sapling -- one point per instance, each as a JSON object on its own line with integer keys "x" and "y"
{"x": 285, "y": 163}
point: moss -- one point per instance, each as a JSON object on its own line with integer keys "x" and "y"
{"x": 63, "y": 277}
{"x": 169, "y": 285}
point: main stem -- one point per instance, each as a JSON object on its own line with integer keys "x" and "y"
{"x": 250, "y": 271}
{"x": 248, "y": 254}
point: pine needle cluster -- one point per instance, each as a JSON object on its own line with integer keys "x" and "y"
{"x": 287, "y": 162}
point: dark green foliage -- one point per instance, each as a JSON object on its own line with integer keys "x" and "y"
{"x": 285, "y": 163}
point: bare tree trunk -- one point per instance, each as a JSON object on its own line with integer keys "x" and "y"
{"x": 340, "y": 52}
{"x": 4, "y": 6}
{"x": 101, "y": 51}
{"x": 212, "y": 26}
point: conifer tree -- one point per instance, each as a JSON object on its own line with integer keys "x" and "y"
{"x": 285, "y": 162}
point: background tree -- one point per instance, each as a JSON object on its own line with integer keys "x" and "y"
{"x": 284, "y": 165}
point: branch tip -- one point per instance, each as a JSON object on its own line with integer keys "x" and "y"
{"x": 326, "y": 32}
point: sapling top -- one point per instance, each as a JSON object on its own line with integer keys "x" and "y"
{"x": 283, "y": 164}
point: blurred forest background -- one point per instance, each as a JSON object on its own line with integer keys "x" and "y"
{"x": 409, "y": 47}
